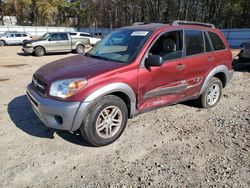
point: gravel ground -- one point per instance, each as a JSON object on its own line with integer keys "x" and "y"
{"x": 176, "y": 146}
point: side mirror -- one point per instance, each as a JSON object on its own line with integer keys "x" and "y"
{"x": 49, "y": 39}
{"x": 153, "y": 61}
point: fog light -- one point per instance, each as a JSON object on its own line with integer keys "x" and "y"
{"x": 59, "y": 119}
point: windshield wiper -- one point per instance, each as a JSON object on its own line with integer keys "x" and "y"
{"x": 97, "y": 57}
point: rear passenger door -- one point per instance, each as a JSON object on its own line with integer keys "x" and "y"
{"x": 64, "y": 42}
{"x": 199, "y": 60}
{"x": 18, "y": 38}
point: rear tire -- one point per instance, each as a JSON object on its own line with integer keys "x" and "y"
{"x": 2, "y": 43}
{"x": 105, "y": 121}
{"x": 211, "y": 96}
{"x": 80, "y": 49}
{"x": 39, "y": 51}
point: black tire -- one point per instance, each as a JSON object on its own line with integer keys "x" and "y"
{"x": 39, "y": 51}
{"x": 80, "y": 49}
{"x": 2, "y": 43}
{"x": 94, "y": 115}
{"x": 205, "y": 100}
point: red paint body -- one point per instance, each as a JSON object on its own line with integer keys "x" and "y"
{"x": 100, "y": 73}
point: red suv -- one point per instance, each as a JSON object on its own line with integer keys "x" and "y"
{"x": 132, "y": 70}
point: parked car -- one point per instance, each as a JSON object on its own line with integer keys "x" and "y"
{"x": 56, "y": 42}
{"x": 93, "y": 40}
{"x": 151, "y": 66}
{"x": 14, "y": 38}
{"x": 7, "y": 32}
{"x": 244, "y": 54}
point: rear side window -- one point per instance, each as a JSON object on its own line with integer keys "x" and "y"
{"x": 216, "y": 41}
{"x": 54, "y": 37}
{"x": 63, "y": 36}
{"x": 85, "y": 35}
{"x": 25, "y": 35}
{"x": 18, "y": 35}
{"x": 207, "y": 43}
{"x": 73, "y": 34}
{"x": 194, "y": 42}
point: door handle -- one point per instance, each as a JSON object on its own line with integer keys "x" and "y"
{"x": 180, "y": 66}
{"x": 210, "y": 59}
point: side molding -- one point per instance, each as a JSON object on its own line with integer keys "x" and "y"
{"x": 218, "y": 69}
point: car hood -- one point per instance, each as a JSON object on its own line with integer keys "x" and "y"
{"x": 78, "y": 66}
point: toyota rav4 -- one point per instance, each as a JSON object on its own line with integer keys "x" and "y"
{"x": 132, "y": 70}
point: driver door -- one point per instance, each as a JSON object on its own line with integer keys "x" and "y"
{"x": 165, "y": 84}
{"x": 53, "y": 43}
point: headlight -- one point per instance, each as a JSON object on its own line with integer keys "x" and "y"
{"x": 67, "y": 88}
{"x": 28, "y": 45}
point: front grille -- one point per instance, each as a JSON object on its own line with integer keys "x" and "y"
{"x": 39, "y": 86}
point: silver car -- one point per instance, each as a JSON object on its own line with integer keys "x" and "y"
{"x": 54, "y": 43}
{"x": 14, "y": 38}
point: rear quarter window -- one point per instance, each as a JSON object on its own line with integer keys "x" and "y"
{"x": 216, "y": 41}
{"x": 85, "y": 35}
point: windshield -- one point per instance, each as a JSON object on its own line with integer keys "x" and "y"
{"x": 121, "y": 45}
{"x": 45, "y": 36}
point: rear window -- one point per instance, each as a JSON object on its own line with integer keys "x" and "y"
{"x": 194, "y": 42}
{"x": 216, "y": 41}
{"x": 85, "y": 35}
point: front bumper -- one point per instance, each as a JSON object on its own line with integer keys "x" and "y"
{"x": 57, "y": 114}
{"x": 28, "y": 50}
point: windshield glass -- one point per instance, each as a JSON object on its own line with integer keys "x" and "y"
{"x": 121, "y": 45}
{"x": 45, "y": 36}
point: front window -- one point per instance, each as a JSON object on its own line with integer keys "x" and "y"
{"x": 45, "y": 36}
{"x": 121, "y": 45}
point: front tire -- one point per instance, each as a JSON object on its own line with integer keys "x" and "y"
{"x": 39, "y": 51}
{"x": 2, "y": 43}
{"x": 105, "y": 121}
{"x": 211, "y": 96}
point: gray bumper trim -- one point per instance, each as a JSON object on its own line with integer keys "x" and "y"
{"x": 46, "y": 109}
{"x": 28, "y": 50}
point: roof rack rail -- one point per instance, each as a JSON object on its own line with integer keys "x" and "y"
{"x": 139, "y": 23}
{"x": 182, "y": 22}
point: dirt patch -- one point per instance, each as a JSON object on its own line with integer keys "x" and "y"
{"x": 176, "y": 146}
{"x": 15, "y": 65}
{"x": 4, "y": 79}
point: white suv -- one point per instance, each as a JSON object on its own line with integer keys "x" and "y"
{"x": 92, "y": 40}
{"x": 14, "y": 38}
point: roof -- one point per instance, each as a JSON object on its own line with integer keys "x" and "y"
{"x": 149, "y": 27}
{"x": 156, "y": 26}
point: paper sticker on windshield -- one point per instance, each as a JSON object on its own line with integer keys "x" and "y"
{"x": 139, "y": 33}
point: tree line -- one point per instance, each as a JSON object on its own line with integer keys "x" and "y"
{"x": 117, "y": 13}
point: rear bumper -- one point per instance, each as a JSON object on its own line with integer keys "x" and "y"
{"x": 230, "y": 75}
{"x": 57, "y": 114}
